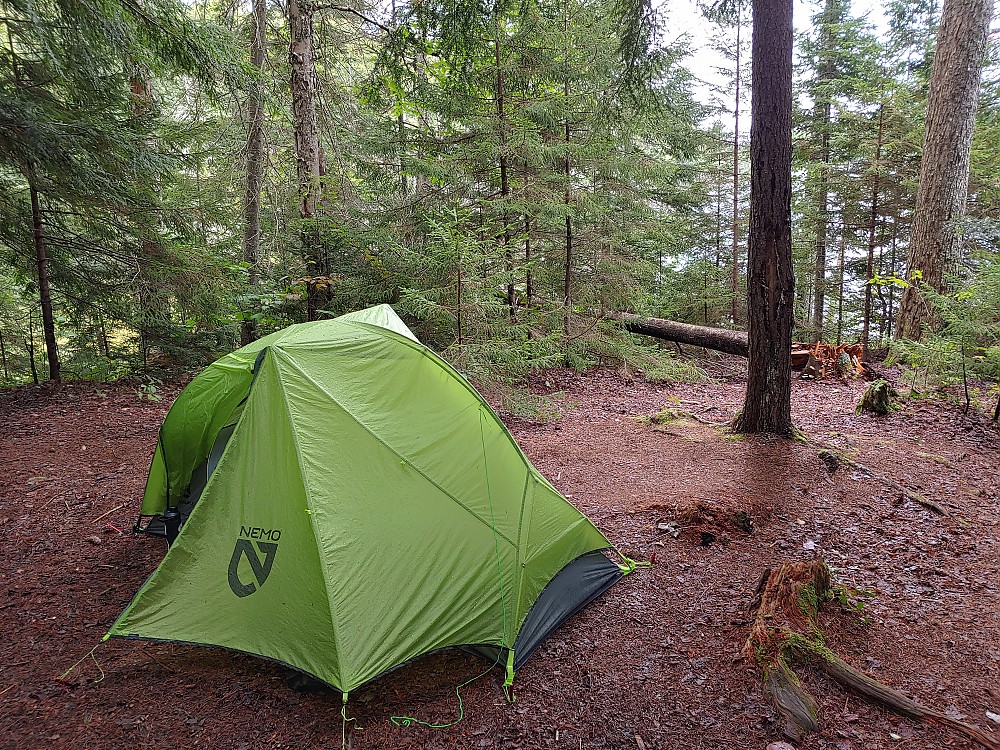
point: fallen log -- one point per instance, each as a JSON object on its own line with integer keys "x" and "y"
{"x": 817, "y": 360}
{"x": 785, "y": 631}
{"x": 718, "y": 339}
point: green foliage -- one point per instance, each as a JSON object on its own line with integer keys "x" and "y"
{"x": 965, "y": 345}
{"x": 507, "y": 175}
{"x": 85, "y": 92}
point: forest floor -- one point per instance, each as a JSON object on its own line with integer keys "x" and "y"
{"x": 654, "y": 663}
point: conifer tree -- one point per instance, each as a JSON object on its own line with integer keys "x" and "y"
{"x": 72, "y": 135}
{"x": 944, "y": 171}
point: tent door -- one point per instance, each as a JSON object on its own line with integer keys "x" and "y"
{"x": 199, "y": 478}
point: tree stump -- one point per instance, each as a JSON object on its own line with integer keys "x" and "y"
{"x": 879, "y": 399}
{"x": 785, "y": 632}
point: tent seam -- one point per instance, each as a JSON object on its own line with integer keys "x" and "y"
{"x": 446, "y": 366}
{"x": 395, "y": 452}
{"x": 312, "y": 520}
{"x": 517, "y": 554}
{"x": 442, "y": 364}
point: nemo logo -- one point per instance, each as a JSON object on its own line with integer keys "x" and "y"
{"x": 260, "y": 566}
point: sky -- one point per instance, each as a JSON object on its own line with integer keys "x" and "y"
{"x": 682, "y": 18}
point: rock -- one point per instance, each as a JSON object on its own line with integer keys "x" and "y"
{"x": 93, "y": 539}
{"x": 780, "y": 746}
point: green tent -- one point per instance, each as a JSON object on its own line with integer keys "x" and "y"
{"x": 349, "y": 502}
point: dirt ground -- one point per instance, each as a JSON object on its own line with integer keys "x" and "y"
{"x": 654, "y": 663}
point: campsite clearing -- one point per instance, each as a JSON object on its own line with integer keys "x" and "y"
{"x": 654, "y": 663}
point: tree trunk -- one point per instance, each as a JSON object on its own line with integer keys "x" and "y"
{"x": 44, "y": 292}
{"x": 255, "y": 162}
{"x": 891, "y": 317}
{"x": 529, "y": 282}
{"x": 770, "y": 282}
{"x": 400, "y": 126}
{"x": 458, "y": 295}
{"x": 944, "y": 168}
{"x": 821, "y": 114}
{"x": 3, "y": 359}
{"x": 840, "y": 292}
{"x": 105, "y": 344}
{"x": 872, "y": 224}
{"x": 718, "y": 339}
{"x": 718, "y": 225}
{"x": 568, "y": 269}
{"x": 154, "y": 295}
{"x": 308, "y": 154}
{"x": 504, "y": 179}
{"x": 29, "y": 346}
{"x": 735, "y": 313}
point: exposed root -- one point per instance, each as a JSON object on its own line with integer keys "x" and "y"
{"x": 785, "y": 631}
{"x": 902, "y": 489}
{"x": 895, "y": 701}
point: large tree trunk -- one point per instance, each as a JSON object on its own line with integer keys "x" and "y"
{"x": 255, "y": 161}
{"x": 44, "y": 293}
{"x": 770, "y": 282}
{"x": 944, "y": 168}
{"x": 308, "y": 154}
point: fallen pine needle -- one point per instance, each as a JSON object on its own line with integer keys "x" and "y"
{"x": 6, "y": 689}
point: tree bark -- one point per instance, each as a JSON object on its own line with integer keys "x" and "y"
{"x": 735, "y": 313}
{"x": 821, "y": 115}
{"x": 255, "y": 161}
{"x": 891, "y": 318}
{"x": 568, "y": 269}
{"x": 770, "y": 282}
{"x": 504, "y": 179}
{"x": 44, "y": 292}
{"x": 872, "y": 225}
{"x": 840, "y": 292}
{"x": 29, "y": 346}
{"x": 718, "y": 339}
{"x": 3, "y": 359}
{"x": 944, "y": 168}
{"x": 529, "y": 282}
{"x": 308, "y": 154}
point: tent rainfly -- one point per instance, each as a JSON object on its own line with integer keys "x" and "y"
{"x": 348, "y": 503}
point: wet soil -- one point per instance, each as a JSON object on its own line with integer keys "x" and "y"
{"x": 654, "y": 663}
